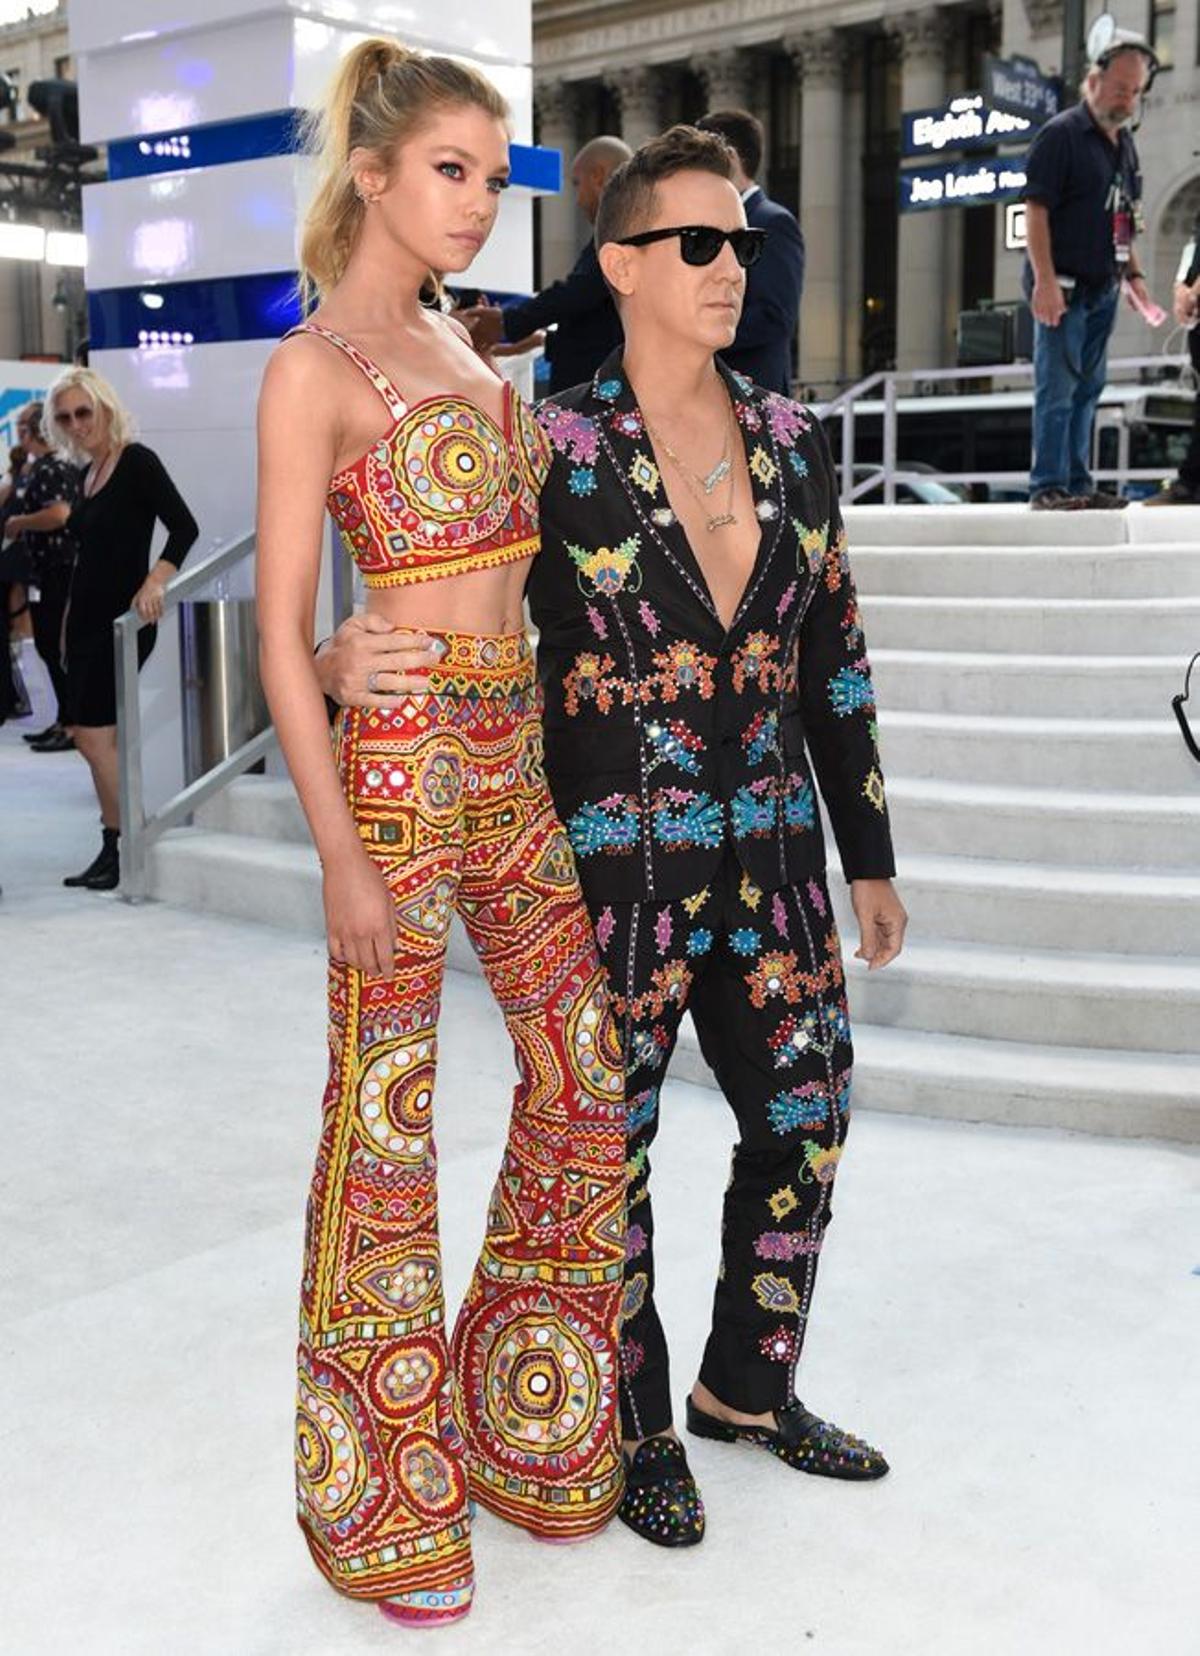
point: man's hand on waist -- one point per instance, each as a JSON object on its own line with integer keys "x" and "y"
{"x": 368, "y": 662}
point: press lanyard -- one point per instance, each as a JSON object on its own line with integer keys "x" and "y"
{"x": 1122, "y": 209}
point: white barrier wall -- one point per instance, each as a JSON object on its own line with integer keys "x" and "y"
{"x": 191, "y": 241}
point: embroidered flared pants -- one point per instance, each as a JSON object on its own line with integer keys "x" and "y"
{"x": 397, "y": 1426}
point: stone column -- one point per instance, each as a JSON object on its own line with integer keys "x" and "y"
{"x": 921, "y": 335}
{"x": 819, "y": 57}
{"x": 1045, "y": 17}
{"x": 726, "y": 78}
{"x": 853, "y": 227}
{"x": 636, "y": 91}
{"x": 556, "y": 103}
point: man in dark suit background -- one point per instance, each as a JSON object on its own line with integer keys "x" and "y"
{"x": 580, "y": 306}
{"x": 763, "y": 347}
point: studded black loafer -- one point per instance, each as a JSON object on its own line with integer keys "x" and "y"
{"x": 801, "y": 1439}
{"x": 661, "y": 1502}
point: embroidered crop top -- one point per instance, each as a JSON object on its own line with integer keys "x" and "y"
{"x": 446, "y": 490}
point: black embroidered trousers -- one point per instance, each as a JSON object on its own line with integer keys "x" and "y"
{"x": 762, "y": 976}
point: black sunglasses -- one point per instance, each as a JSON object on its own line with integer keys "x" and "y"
{"x": 699, "y": 244}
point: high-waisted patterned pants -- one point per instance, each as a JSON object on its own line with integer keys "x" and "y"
{"x": 396, "y": 1425}
{"x": 761, "y": 973}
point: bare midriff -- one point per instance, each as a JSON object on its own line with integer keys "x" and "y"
{"x": 485, "y": 601}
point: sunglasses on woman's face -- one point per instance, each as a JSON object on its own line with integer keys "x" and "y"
{"x": 699, "y": 244}
{"x": 66, "y": 416}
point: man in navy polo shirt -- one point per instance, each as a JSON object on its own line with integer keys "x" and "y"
{"x": 1082, "y": 193}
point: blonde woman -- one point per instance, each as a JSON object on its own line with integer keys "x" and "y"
{"x": 434, "y": 800}
{"x": 124, "y": 494}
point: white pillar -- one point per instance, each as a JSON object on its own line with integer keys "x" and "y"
{"x": 853, "y": 228}
{"x": 556, "y": 103}
{"x": 637, "y": 92}
{"x": 819, "y": 57}
{"x": 725, "y": 77}
{"x": 921, "y": 332}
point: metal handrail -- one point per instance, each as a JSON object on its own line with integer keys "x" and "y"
{"x": 139, "y": 831}
{"x": 846, "y": 404}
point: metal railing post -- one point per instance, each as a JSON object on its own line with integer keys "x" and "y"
{"x": 848, "y": 403}
{"x": 129, "y": 760}
{"x": 138, "y": 831}
{"x": 889, "y": 440}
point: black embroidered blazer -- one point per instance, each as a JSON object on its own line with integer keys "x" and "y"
{"x": 667, "y": 737}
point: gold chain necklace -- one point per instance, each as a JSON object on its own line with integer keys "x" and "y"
{"x": 694, "y": 483}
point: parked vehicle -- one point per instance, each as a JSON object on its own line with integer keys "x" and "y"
{"x": 1137, "y": 427}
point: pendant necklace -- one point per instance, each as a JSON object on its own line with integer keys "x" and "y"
{"x": 99, "y": 476}
{"x": 710, "y": 480}
{"x": 721, "y": 472}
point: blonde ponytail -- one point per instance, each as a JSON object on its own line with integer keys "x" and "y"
{"x": 380, "y": 95}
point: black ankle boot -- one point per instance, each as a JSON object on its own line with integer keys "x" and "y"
{"x": 104, "y": 873}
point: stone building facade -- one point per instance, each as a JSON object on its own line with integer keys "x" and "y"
{"x": 830, "y": 83}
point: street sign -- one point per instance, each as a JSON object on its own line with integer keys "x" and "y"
{"x": 1017, "y": 85}
{"x": 964, "y": 123}
{"x": 962, "y": 183}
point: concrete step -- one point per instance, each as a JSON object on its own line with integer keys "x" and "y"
{"x": 952, "y": 681}
{"x": 276, "y": 882}
{"x": 1140, "y": 1003}
{"x": 1040, "y": 572}
{"x": 1041, "y": 997}
{"x": 1040, "y": 906}
{"x": 1161, "y": 525}
{"x": 1135, "y": 755}
{"x": 986, "y": 525}
{"x": 1121, "y": 1094}
{"x": 1024, "y": 897}
{"x": 961, "y": 1077}
{"x": 247, "y": 876}
{"x": 1035, "y": 626}
{"x": 264, "y": 806}
{"x": 1046, "y": 824}
{"x": 1118, "y": 1094}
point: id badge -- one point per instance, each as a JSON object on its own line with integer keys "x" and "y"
{"x": 1122, "y": 235}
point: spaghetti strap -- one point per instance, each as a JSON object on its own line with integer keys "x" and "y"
{"x": 396, "y": 405}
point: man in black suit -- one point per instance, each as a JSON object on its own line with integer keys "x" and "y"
{"x": 701, "y": 653}
{"x": 763, "y": 348}
{"x": 579, "y": 307}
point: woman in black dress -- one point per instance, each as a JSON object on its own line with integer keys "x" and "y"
{"x": 125, "y": 493}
